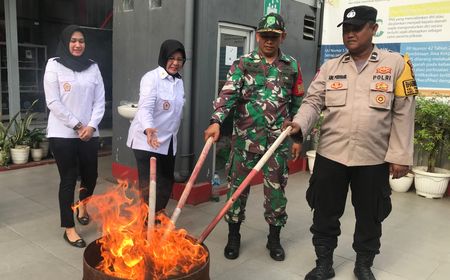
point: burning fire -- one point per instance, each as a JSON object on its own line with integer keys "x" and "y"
{"x": 125, "y": 249}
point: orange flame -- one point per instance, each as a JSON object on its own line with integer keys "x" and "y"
{"x": 125, "y": 249}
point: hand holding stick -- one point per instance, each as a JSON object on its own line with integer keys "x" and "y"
{"x": 244, "y": 184}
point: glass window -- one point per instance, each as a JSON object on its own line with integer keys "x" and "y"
{"x": 155, "y": 4}
{"x": 127, "y": 5}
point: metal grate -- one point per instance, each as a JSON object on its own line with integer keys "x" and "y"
{"x": 309, "y": 28}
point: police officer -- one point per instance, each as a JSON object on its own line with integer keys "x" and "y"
{"x": 265, "y": 88}
{"x": 367, "y": 99}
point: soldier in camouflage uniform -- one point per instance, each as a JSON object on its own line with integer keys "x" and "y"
{"x": 264, "y": 88}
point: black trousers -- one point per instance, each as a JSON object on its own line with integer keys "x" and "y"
{"x": 327, "y": 194}
{"x": 74, "y": 157}
{"x": 165, "y": 166}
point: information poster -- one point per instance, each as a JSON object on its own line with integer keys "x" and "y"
{"x": 417, "y": 27}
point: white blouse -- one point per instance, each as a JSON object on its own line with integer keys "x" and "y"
{"x": 161, "y": 101}
{"x": 73, "y": 97}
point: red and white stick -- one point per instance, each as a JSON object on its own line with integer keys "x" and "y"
{"x": 151, "y": 198}
{"x": 244, "y": 184}
{"x": 190, "y": 183}
{"x": 188, "y": 187}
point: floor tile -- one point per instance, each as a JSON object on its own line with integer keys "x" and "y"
{"x": 414, "y": 241}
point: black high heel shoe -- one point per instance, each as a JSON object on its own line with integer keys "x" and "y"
{"x": 82, "y": 220}
{"x": 80, "y": 243}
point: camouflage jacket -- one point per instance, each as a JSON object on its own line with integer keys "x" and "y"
{"x": 262, "y": 95}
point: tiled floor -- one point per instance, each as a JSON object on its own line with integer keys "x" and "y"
{"x": 415, "y": 244}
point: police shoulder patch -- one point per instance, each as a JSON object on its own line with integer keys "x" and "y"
{"x": 406, "y": 84}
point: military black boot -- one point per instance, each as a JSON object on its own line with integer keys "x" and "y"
{"x": 324, "y": 265}
{"x": 363, "y": 264}
{"x": 231, "y": 251}
{"x": 273, "y": 243}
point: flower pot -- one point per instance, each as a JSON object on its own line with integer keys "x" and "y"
{"x": 37, "y": 154}
{"x": 431, "y": 185}
{"x": 44, "y": 146}
{"x": 311, "y": 158}
{"x": 401, "y": 184}
{"x": 20, "y": 154}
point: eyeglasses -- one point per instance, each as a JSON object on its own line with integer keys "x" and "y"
{"x": 177, "y": 59}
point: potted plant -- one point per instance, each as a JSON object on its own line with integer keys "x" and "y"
{"x": 20, "y": 139}
{"x": 5, "y": 143}
{"x": 314, "y": 136}
{"x": 36, "y": 136}
{"x": 432, "y": 135}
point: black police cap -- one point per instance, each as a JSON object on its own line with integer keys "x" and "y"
{"x": 359, "y": 15}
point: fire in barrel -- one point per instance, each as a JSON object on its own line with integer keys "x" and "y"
{"x": 125, "y": 252}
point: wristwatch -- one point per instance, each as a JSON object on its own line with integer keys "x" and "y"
{"x": 212, "y": 121}
{"x": 78, "y": 126}
{"x": 297, "y": 137}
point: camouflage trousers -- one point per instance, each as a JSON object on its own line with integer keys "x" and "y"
{"x": 275, "y": 173}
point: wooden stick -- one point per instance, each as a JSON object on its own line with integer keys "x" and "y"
{"x": 244, "y": 184}
{"x": 151, "y": 198}
{"x": 189, "y": 185}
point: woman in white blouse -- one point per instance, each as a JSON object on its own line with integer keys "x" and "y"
{"x": 153, "y": 132}
{"x": 75, "y": 96}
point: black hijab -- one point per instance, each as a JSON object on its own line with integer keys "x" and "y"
{"x": 76, "y": 63}
{"x": 168, "y": 48}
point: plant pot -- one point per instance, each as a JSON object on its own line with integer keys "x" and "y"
{"x": 431, "y": 185}
{"x": 311, "y": 158}
{"x": 401, "y": 184}
{"x": 20, "y": 154}
{"x": 37, "y": 154}
{"x": 44, "y": 146}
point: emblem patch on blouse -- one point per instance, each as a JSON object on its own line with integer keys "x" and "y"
{"x": 380, "y": 99}
{"x": 67, "y": 87}
{"x": 336, "y": 85}
{"x": 166, "y": 105}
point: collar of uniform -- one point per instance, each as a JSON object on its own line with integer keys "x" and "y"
{"x": 284, "y": 57}
{"x": 346, "y": 58}
{"x": 374, "y": 56}
{"x": 163, "y": 74}
{"x": 281, "y": 56}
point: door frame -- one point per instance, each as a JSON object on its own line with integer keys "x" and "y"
{"x": 230, "y": 29}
